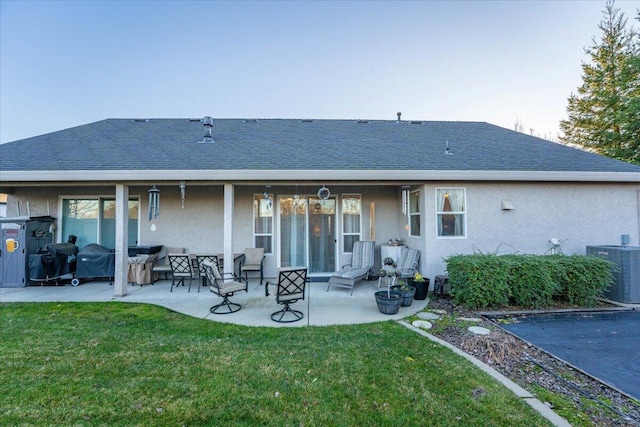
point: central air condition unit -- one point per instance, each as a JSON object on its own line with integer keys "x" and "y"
{"x": 626, "y": 277}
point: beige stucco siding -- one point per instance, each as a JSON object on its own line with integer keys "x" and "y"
{"x": 578, "y": 214}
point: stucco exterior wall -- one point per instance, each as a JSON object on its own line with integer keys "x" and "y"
{"x": 576, "y": 214}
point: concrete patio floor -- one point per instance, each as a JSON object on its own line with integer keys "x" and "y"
{"x": 320, "y": 307}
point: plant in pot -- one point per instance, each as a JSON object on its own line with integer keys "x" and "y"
{"x": 388, "y": 301}
{"x": 407, "y": 291}
{"x": 421, "y": 284}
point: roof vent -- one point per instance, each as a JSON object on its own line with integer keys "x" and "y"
{"x": 362, "y": 121}
{"x": 208, "y": 125}
{"x": 416, "y": 122}
{"x": 399, "y": 114}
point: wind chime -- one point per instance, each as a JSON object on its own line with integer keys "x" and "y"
{"x": 405, "y": 199}
{"x": 154, "y": 202}
{"x": 183, "y": 190}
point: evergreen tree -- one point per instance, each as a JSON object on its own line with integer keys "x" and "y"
{"x": 604, "y": 116}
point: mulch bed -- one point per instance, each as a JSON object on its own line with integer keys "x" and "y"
{"x": 533, "y": 368}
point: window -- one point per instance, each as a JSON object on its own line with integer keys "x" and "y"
{"x": 351, "y": 220}
{"x": 93, "y": 220}
{"x": 414, "y": 213}
{"x": 263, "y": 222}
{"x": 450, "y": 211}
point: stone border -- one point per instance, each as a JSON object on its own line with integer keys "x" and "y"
{"x": 520, "y": 392}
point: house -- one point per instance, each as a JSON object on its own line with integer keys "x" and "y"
{"x": 305, "y": 190}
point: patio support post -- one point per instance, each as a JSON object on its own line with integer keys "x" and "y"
{"x": 229, "y": 263}
{"x": 122, "y": 238}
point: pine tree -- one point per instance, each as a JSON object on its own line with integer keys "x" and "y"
{"x": 604, "y": 116}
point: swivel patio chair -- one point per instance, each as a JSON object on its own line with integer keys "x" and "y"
{"x": 361, "y": 263}
{"x": 253, "y": 259}
{"x": 200, "y": 258}
{"x": 181, "y": 270}
{"x": 222, "y": 288}
{"x": 291, "y": 288}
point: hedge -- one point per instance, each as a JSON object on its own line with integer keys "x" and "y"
{"x": 527, "y": 281}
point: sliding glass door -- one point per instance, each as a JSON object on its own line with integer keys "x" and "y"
{"x": 308, "y": 233}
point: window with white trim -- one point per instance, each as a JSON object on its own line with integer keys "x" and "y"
{"x": 263, "y": 222}
{"x": 451, "y": 212}
{"x": 414, "y": 213}
{"x": 351, "y": 221}
{"x": 92, "y": 220}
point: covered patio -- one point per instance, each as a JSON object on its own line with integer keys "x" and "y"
{"x": 320, "y": 308}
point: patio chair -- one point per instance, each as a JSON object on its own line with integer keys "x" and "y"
{"x": 222, "y": 288}
{"x": 291, "y": 288}
{"x": 253, "y": 259}
{"x": 200, "y": 258}
{"x": 361, "y": 263}
{"x": 181, "y": 270}
{"x": 161, "y": 265}
{"x": 407, "y": 264}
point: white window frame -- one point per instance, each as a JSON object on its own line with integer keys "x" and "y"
{"x": 411, "y": 214}
{"x": 462, "y": 213}
{"x": 258, "y": 198}
{"x": 342, "y": 231}
{"x": 100, "y": 199}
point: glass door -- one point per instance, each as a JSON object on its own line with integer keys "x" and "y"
{"x": 308, "y": 233}
{"x": 293, "y": 231}
{"x": 322, "y": 235}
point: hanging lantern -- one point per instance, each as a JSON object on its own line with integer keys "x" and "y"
{"x": 154, "y": 202}
{"x": 324, "y": 193}
{"x": 267, "y": 196}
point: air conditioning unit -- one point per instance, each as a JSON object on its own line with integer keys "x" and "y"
{"x": 626, "y": 285}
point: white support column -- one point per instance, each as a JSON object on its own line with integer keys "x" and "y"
{"x": 229, "y": 263}
{"x": 122, "y": 237}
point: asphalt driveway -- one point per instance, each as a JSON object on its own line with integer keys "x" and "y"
{"x": 604, "y": 344}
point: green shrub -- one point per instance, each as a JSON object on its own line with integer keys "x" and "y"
{"x": 582, "y": 278}
{"x": 478, "y": 280}
{"x": 530, "y": 281}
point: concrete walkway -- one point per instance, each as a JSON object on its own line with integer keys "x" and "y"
{"x": 320, "y": 307}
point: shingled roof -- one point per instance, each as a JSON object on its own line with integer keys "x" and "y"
{"x": 247, "y": 146}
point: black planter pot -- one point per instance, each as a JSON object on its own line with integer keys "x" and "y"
{"x": 407, "y": 295}
{"x": 386, "y": 304}
{"x": 422, "y": 289}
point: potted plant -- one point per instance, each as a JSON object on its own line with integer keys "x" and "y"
{"x": 405, "y": 290}
{"x": 388, "y": 301}
{"x": 421, "y": 284}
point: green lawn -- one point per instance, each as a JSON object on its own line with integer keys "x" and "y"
{"x": 132, "y": 364}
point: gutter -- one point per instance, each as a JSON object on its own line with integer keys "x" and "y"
{"x": 297, "y": 175}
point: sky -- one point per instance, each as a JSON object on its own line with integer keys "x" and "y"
{"x": 68, "y": 63}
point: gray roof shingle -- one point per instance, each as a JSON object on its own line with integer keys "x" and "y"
{"x": 275, "y": 144}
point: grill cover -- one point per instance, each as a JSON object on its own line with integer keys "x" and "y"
{"x": 96, "y": 261}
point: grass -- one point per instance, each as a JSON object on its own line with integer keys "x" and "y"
{"x": 132, "y": 364}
